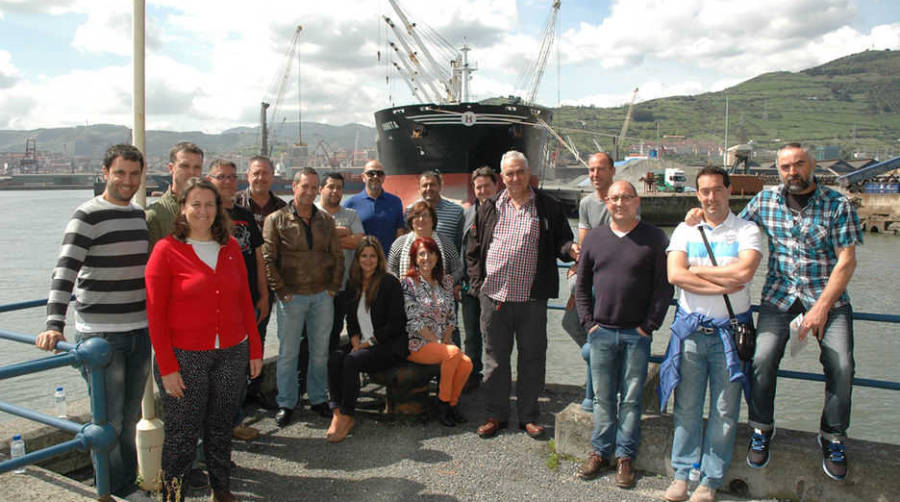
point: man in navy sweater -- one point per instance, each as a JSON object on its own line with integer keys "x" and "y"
{"x": 622, "y": 295}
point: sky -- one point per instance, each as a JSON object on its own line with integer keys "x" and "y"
{"x": 209, "y": 63}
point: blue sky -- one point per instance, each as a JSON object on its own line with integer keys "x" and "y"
{"x": 209, "y": 63}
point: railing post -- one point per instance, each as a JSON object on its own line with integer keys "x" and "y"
{"x": 95, "y": 353}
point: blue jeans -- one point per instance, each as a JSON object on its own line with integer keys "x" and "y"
{"x": 314, "y": 311}
{"x": 702, "y": 360}
{"x": 836, "y": 356}
{"x": 619, "y": 369}
{"x": 126, "y": 377}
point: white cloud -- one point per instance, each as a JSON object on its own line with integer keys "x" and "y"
{"x": 210, "y": 63}
{"x": 739, "y": 38}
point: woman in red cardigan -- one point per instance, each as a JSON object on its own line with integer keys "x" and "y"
{"x": 203, "y": 330}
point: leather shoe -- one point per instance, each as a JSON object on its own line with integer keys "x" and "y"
{"x": 283, "y": 416}
{"x": 592, "y": 467}
{"x": 345, "y": 423}
{"x": 490, "y": 428}
{"x": 624, "y": 473}
{"x": 533, "y": 430}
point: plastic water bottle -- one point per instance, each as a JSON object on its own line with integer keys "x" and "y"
{"x": 17, "y": 449}
{"x": 59, "y": 399}
{"x": 694, "y": 476}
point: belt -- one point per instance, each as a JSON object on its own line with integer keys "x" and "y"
{"x": 708, "y": 331}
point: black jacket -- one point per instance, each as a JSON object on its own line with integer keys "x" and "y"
{"x": 554, "y": 243}
{"x": 388, "y": 317}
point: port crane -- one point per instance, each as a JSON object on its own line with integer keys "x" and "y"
{"x": 625, "y": 124}
{"x": 530, "y": 79}
{"x": 275, "y": 95}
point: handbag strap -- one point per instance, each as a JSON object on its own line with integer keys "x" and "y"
{"x": 712, "y": 258}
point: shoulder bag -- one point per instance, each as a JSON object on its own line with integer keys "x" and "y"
{"x": 743, "y": 333}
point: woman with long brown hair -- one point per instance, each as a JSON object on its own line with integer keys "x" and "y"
{"x": 203, "y": 329}
{"x": 431, "y": 318}
{"x": 375, "y": 323}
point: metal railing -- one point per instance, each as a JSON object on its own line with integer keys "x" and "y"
{"x": 98, "y": 436}
{"x": 798, "y": 375}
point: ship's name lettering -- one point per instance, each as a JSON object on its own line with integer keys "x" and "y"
{"x": 389, "y": 125}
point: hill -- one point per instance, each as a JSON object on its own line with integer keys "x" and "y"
{"x": 91, "y": 141}
{"x": 853, "y": 102}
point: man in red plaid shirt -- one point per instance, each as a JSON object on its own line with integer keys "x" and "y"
{"x": 511, "y": 260}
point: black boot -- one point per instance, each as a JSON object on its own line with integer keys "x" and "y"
{"x": 456, "y": 415}
{"x": 445, "y": 414}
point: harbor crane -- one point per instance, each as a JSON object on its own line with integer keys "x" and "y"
{"x": 625, "y": 124}
{"x": 530, "y": 79}
{"x": 275, "y": 94}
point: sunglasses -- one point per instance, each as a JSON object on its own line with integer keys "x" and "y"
{"x": 373, "y": 173}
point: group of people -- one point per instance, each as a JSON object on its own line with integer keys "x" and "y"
{"x": 625, "y": 273}
{"x": 198, "y": 274}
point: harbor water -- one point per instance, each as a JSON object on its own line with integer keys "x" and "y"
{"x": 35, "y": 220}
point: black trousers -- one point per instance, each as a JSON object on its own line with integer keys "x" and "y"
{"x": 344, "y": 367}
{"x": 214, "y": 381}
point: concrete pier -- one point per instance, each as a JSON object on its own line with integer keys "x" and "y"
{"x": 794, "y": 471}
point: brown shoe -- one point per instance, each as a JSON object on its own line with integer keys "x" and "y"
{"x": 703, "y": 493}
{"x": 677, "y": 491}
{"x": 533, "y": 430}
{"x": 592, "y": 467}
{"x": 345, "y": 423}
{"x": 624, "y": 473}
{"x": 245, "y": 433}
{"x": 490, "y": 428}
{"x": 335, "y": 419}
{"x": 222, "y": 496}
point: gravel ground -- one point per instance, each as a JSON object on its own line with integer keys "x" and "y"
{"x": 397, "y": 459}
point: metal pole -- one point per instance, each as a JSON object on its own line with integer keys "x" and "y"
{"x": 149, "y": 434}
{"x": 138, "y": 132}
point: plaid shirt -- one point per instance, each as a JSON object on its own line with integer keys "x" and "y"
{"x": 512, "y": 258}
{"x": 802, "y": 248}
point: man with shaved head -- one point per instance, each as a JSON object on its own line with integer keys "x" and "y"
{"x": 381, "y": 212}
{"x": 622, "y": 294}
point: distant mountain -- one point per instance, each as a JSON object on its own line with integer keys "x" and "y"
{"x": 91, "y": 141}
{"x": 853, "y": 102}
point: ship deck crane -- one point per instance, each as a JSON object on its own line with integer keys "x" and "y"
{"x": 275, "y": 94}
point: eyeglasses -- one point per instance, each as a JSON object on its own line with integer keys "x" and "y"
{"x": 373, "y": 173}
{"x": 621, "y": 198}
{"x": 226, "y": 177}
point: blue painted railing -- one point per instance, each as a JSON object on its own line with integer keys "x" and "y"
{"x": 798, "y": 375}
{"x": 98, "y": 436}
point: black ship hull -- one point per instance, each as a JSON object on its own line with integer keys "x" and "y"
{"x": 455, "y": 140}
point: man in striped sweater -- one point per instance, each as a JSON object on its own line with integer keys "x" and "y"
{"x": 102, "y": 259}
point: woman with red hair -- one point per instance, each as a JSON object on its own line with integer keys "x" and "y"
{"x": 431, "y": 318}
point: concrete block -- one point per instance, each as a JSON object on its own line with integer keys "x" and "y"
{"x": 794, "y": 471}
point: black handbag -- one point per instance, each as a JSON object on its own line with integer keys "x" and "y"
{"x": 743, "y": 333}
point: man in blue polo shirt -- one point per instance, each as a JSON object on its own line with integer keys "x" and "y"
{"x": 381, "y": 212}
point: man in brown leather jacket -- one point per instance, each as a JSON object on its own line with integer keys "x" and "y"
{"x": 304, "y": 267}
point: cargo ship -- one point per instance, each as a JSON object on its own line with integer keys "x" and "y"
{"x": 447, "y": 131}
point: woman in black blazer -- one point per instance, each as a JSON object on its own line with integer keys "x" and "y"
{"x": 376, "y": 322}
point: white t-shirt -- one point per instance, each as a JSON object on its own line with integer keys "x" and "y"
{"x": 727, "y": 241}
{"x": 367, "y": 330}
{"x": 207, "y": 251}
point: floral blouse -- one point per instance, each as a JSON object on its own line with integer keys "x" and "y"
{"x": 427, "y": 306}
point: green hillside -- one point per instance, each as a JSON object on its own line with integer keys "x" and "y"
{"x": 853, "y": 102}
